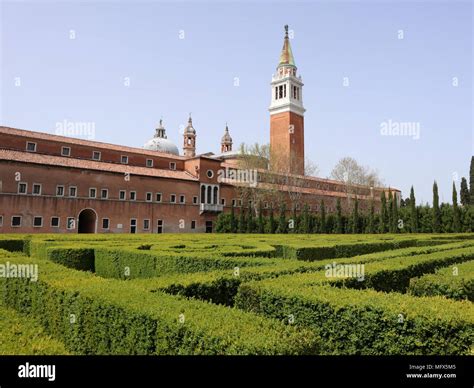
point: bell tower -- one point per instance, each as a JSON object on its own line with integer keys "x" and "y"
{"x": 189, "y": 139}
{"x": 287, "y": 115}
{"x": 226, "y": 141}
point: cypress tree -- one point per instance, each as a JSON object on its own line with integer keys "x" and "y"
{"x": 271, "y": 221}
{"x": 261, "y": 225}
{"x": 413, "y": 212}
{"x": 394, "y": 215}
{"x": 383, "y": 213}
{"x": 390, "y": 211}
{"x": 233, "y": 226}
{"x": 306, "y": 227}
{"x": 355, "y": 216}
{"x": 282, "y": 226}
{"x": 294, "y": 217}
{"x": 456, "y": 216}
{"x": 464, "y": 193}
{"x": 471, "y": 181}
{"x": 436, "y": 212}
{"x": 242, "y": 223}
{"x": 323, "y": 218}
{"x": 339, "y": 224}
{"x": 250, "y": 221}
{"x": 371, "y": 220}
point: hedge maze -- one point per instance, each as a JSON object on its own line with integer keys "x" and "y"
{"x": 235, "y": 294}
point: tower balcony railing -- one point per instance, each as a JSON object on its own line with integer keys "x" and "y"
{"x": 278, "y": 77}
{"x": 210, "y": 208}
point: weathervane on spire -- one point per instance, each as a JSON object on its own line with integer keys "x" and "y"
{"x": 286, "y": 29}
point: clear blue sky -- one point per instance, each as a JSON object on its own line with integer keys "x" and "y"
{"x": 405, "y": 80}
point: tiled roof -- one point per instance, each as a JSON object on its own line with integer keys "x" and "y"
{"x": 49, "y": 160}
{"x": 87, "y": 143}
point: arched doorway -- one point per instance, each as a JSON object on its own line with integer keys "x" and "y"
{"x": 87, "y": 221}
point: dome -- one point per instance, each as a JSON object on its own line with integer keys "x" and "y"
{"x": 160, "y": 142}
{"x": 161, "y": 145}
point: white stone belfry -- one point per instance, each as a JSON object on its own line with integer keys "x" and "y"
{"x": 287, "y": 87}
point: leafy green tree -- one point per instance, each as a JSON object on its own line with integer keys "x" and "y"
{"x": 426, "y": 219}
{"x": 467, "y": 216}
{"x": 456, "y": 214}
{"x": 223, "y": 223}
{"x": 465, "y": 200}
{"x": 436, "y": 211}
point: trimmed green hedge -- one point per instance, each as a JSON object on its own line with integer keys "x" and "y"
{"x": 12, "y": 245}
{"x": 76, "y": 258}
{"x": 365, "y": 322}
{"x": 454, "y": 283}
{"x": 22, "y": 335}
{"x": 219, "y": 291}
{"x": 131, "y": 264}
{"x": 395, "y": 274}
{"x": 346, "y": 250}
{"x": 221, "y": 286}
{"x": 92, "y": 315}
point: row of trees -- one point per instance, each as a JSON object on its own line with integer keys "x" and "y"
{"x": 408, "y": 218}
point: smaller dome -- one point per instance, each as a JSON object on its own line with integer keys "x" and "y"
{"x": 160, "y": 142}
{"x": 161, "y": 145}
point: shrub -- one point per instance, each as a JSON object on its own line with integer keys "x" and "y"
{"x": 129, "y": 264}
{"x": 330, "y": 251}
{"x": 92, "y": 315}
{"x": 22, "y": 335}
{"x": 454, "y": 283}
{"x": 12, "y": 245}
{"x": 76, "y": 258}
{"x": 365, "y": 321}
{"x": 395, "y": 275}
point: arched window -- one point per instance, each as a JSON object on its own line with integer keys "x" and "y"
{"x": 215, "y": 195}
{"x": 209, "y": 194}
{"x": 203, "y": 194}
